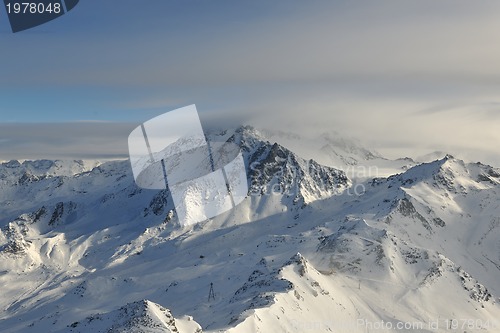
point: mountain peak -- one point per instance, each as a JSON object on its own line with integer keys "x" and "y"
{"x": 46, "y": 168}
{"x": 448, "y": 157}
{"x": 340, "y": 145}
{"x": 448, "y": 166}
{"x": 140, "y": 316}
{"x": 95, "y": 242}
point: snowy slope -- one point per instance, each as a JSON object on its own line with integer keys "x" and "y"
{"x": 88, "y": 251}
{"x": 340, "y": 152}
{"x": 141, "y": 316}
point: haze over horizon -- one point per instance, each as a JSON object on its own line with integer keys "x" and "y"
{"x": 405, "y": 78}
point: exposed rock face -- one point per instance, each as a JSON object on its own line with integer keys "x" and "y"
{"x": 137, "y": 317}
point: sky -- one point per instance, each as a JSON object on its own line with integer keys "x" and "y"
{"x": 404, "y": 77}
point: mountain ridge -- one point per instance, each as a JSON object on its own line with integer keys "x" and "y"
{"x": 72, "y": 244}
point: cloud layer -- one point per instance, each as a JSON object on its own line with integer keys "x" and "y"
{"x": 405, "y": 77}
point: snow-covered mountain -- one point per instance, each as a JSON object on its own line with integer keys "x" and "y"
{"x": 83, "y": 249}
{"x": 140, "y": 316}
{"x": 340, "y": 152}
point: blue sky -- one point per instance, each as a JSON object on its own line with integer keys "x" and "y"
{"x": 128, "y": 60}
{"x": 404, "y": 76}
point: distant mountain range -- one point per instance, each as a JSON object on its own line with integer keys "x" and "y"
{"x": 312, "y": 248}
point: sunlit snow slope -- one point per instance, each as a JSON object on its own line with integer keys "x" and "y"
{"x": 83, "y": 249}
